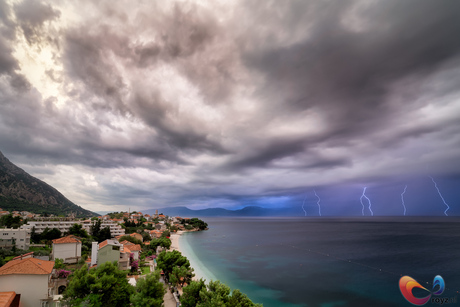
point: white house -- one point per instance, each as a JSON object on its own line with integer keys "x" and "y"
{"x": 21, "y": 237}
{"x": 28, "y": 277}
{"x": 67, "y": 248}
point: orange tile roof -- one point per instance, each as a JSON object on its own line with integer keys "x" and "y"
{"x": 103, "y": 243}
{"x": 125, "y": 242}
{"x": 23, "y": 256}
{"x": 135, "y": 247}
{"x": 29, "y": 266}
{"x": 126, "y": 249}
{"x": 68, "y": 239}
{"x": 6, "y": 298}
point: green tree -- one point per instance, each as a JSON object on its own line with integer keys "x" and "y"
{"x": 163, "y": 242}
{"x": 104, "y": 234}
{"x": 59, "y": 264}
{"x": 52, "y": 234}
{"x": 130, "y": 239}
{"x": 96, "y": 229}
{"x": 197, "y": 223}
{"x": 181, "y": 275}
{"x": 34, "y": 236}
{"x": 167, "y": 261}
{"x": 145, "y": 236}
{"x": 149, "y": 291}
{"x": 105, "y": 286}
{"x": 78, "y": 230}
{"x": 191, "y": 293}
{"x": 218, "y": 294}
{"x": 10, "y": 222}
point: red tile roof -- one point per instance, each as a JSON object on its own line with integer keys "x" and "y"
{"x": 29, "y": 266}
{"x": 68, "y": 239}
{"x": 125, "y": 242}
{"x": 103, "y": 243}
{"x": 135, "y": 247}
{"x": 28, "y": 255}
{"x": 6, "y": 298}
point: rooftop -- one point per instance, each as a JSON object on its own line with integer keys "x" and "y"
{"x": 23, "y": 256}
{"x": 6, "y": 298}
{"x": 68, "y": 239}
{"x": 109, "y": 242}
{"x": 28, "y": 266}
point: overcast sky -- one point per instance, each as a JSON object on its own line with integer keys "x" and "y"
{"x": 149, "y": 104}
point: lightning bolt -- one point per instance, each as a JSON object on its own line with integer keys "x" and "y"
{"x": 370, "y": 204}
{"x": 439, "y": 192}
{"x": 402, "y": 199}
{"x": 319, "y": 200}
{"x": 303, "y": 205}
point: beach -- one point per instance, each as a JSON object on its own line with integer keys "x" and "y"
{"x": 179, "y": 243}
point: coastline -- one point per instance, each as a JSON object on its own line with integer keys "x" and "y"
{"x": 179, "y": 243}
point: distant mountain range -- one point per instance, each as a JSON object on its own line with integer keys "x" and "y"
{"x": 220, "y": 212}
{"x": 23, "y": 192}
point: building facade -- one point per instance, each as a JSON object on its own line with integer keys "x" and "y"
{"x": 19, "y": 237}
{"x": 67, "y": 248}
{"x": 64, "y": 226}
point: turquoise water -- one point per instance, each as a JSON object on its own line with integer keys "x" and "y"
{"x": 325, "y": 262}
{"x": 211, "y": 267}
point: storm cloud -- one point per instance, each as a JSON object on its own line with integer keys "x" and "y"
{"x": 219, "y": 104}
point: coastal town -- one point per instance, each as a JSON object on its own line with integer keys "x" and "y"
{"x": 41, "y": 258}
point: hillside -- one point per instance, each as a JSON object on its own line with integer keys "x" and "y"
{"x": 23, "y": 192}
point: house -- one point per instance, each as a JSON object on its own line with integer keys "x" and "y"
{"x": 20, "y": 237}
{"x": 30, "y": 278}
{"x": 67, "y": 248}
{"x": 111, "y": 250}
{"x": 132, "y": 248}
{"x": 9, "y": 299}
{"x": 155, "y": 234}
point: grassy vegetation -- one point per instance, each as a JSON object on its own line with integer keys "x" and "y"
{"x": 145, "y": 270}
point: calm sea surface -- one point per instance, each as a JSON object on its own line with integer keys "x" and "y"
{"x": 327, "y": 262}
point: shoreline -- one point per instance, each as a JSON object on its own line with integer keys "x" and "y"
{"x": 200, "y": 270}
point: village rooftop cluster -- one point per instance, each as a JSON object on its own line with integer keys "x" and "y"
{"x": 132, "y": 240}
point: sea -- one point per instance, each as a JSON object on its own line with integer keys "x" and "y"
{"x": 300, "y": 262}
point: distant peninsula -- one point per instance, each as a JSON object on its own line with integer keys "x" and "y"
{"x": 250, "y": 211}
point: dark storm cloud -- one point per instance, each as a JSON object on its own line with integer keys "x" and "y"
{"x": 349, "y": 74}
{"x": 32, "y": 16}
{"x": 237, "y": 103}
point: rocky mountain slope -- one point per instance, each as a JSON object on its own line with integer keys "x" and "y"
{"x": 23, "y": 192}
